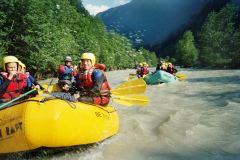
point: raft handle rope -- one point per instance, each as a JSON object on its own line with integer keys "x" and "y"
{"x": 72, "y": 105}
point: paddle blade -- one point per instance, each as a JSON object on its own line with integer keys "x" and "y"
{"x": 139, "y": 100}
{"x": 130, "y": 87}
{"x": 132, "y": 76}
{"x": 122, "y": 102}
{"x": 181, "y": 76}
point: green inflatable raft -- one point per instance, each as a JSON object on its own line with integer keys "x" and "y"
{"x": 159, "y": 76}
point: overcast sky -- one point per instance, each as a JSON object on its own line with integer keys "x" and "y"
{"x": 96, "y": 6}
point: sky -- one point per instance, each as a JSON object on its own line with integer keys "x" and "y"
{"x": 96, "y": 6}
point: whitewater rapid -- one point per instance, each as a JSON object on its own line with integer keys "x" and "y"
{"x": 194, "y": 119}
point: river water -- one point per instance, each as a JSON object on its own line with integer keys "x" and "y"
{"x": 197, "y": 119}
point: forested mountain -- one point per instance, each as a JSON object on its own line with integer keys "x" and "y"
{"x": 167, "y": 47}
{"x": 41, "y": 33}
{"x": 203, "y": 33}
{"x": 153, "y": 21}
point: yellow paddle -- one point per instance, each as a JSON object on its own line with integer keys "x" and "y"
{"x": 181, "y": 76}
{"x": 130, "y": 100}
{"x": 124, "y": 93}
{"x": 136, "y": 86}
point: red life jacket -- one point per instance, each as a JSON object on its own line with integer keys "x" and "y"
{"x": 16, "y": 85}
{"x": 145, "y": 70}
{"x": 86, "y": 81}
{"x": 62, "y": 68}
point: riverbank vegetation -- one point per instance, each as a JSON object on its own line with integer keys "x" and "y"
{"x": 42, "y": 33}
{"x": 216, "y": 45}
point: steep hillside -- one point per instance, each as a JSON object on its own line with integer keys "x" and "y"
{"x": 152, "y": 21}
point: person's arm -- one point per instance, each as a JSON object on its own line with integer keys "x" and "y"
{"x": 34, "y": 82}
{"x": 37, "y": 84}
{"x": 3, "y": 86}
{"x": 98, "y": 78}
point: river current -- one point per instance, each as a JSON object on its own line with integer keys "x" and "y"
{"x": 197, "y": 119}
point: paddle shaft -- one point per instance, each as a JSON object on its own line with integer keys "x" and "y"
{"x": 15, "y": 99}
{"x": 49, "y": 84}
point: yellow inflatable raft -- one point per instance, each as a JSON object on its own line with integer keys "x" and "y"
{"x": 48, "y": 122}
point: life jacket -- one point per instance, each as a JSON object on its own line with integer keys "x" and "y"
{"x": 170, "y": 70}
{"x": 143, "y": 71}
{"x": 86, "y": 81}
{"x": 62, "y": 75}
{"x": 15, "y": 87}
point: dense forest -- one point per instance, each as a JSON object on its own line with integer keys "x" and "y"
{"x": 42, "y": 33}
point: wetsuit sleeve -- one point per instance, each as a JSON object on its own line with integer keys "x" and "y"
{"x": 33, "y": 81}
{"x": 30, "y": 80}
{"x": 3, "y": 86}
{"x": 61, "y": 68}
{"x": 98, "y": 79}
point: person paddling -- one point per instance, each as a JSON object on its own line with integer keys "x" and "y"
{"x": 171, "y": 69}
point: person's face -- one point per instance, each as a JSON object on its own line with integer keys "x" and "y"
{"x": 12, "y": 67}
{"x": 86, "y": 64}
{"x": 68, "y": 63}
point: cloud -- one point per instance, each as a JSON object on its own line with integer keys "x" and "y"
{"x": 121, "y": 2}
{"x": 93, "y": 10}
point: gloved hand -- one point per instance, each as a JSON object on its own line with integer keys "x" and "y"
{"x": 76, "y": 96}
{"x": 46, "y": 90}
{"x": 37, "y": 87}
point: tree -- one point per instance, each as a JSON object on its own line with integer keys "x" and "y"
{"x": 186, "y": 52}
{"x": 218, "y": 38}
